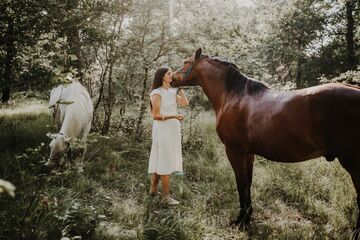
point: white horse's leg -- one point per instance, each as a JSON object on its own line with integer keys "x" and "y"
{"x": 67, "y": 160}
{"x": 50, "y": 163}
{"x": 81, "y": 161}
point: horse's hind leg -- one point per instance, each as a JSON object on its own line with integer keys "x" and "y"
{"x": 353, "y": 168}
{"x": 242, "y": 165}
{"x": 81, "y": 161}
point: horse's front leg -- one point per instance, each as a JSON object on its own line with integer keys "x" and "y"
{"x": 242, "y": 164}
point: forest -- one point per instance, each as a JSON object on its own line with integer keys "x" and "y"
{"x": 113, "y": 48}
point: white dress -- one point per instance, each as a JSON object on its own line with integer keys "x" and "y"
{"x": 166, "y": 155}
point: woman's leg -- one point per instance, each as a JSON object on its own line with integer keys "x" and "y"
{"x": 154, "y": 183}
{"x": 165, "y": 179}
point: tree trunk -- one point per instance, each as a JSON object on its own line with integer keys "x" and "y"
{"x": 143, "y": 106}
{"x": 109, "y": 101}
{"x": 8, "y": 76}
{"x": 74, "y": 44}
{"x": 298, "y": 73}
{"x": 143, "y": 103}
{"x": 350, "y": 45}
{"x": 73, "y": 37}
{"x": 298, "y": 77}
{"x": 299, "y": 63}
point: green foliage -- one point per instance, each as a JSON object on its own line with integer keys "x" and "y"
{"x": 349, "y": 77}
{"x": 45, "y": 206}
{"x": 22, "y": 24}
{"x": 23, "y": 131}
{"x": 113, "y": 49}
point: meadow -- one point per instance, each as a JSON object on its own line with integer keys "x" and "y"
{"x": 113, "y": 48}
{"x": 309, "y": 200}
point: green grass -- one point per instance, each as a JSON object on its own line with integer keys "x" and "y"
{"x": 309, "y": 200}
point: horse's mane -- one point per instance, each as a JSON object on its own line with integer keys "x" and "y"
{"x": 236, "y": 82}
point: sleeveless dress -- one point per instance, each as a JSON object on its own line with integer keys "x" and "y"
{"x": 166, "y": 155}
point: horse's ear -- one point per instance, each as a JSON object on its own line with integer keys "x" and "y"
{"x": 198, "y": 53}
{"x": 67, "y": 139}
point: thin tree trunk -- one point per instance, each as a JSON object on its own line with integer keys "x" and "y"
{"x": 109, "y": 100}
{"x": 96, "y": 122}
{"x": 298, "y": 73}
{"x": 73, "y": 37}
{"x": 143, "y": 106}
{"x": 8, "y": 76}
{"x": 102, "y": 80}
{"x": 108, "y": 103}
{"x": 350, "y": 45}
{"x": 299, "y": 63}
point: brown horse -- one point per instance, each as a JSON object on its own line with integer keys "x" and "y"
{"x": 283, "y": 126}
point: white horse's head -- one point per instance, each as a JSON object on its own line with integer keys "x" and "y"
{"x": 59, "y": 145}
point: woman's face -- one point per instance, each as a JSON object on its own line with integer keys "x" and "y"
{"x": 168, "y": 77}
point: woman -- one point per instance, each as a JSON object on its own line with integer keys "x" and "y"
{"x": 165, "y": 156}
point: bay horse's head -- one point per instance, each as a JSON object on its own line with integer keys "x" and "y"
{"x": 187, "y": 75}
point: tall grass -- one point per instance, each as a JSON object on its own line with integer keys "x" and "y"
{"x": 309, "y": 200}
{"x": 47, "y": 205}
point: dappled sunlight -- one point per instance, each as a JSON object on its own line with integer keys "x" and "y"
{"x": 303, "y": 199}
{"x": 34, "y": 108}
{"x": 237, "y": 69}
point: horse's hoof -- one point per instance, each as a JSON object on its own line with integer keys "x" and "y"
{"x": 234, "y": 223}
{"x": 241, "y": 223}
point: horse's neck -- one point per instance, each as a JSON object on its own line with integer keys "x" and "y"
{"x": 214, "y": 88}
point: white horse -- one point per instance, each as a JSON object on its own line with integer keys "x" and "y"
{"x": 72, "y": 110}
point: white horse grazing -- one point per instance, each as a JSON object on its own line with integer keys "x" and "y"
{"x": 72, "y": 110}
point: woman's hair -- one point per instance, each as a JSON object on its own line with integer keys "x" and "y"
{"x": 158, "y": 78}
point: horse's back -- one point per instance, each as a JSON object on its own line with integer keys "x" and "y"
{"x": 80, "y": 112}
{"x": 81, "y": 98}
{"x": 77, "y": 113}
{"x": 336, "y": 106}
{"x": 336, "y": 117}
{"x": 303, "y": 124}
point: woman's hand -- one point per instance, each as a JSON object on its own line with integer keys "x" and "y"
{"x": 179, "y": 117}
{"x": 181, "y": 99}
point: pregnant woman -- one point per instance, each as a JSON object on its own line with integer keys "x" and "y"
{"x": 165, "y": 156}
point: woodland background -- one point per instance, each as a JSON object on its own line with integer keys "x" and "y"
{"x": 113, "y": 48}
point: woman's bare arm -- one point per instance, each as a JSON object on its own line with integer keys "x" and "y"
{"x": 156, "y": 104}
{"x": 181, "y": 99}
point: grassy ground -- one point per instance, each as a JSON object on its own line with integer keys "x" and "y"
{"x": 310, "y": 200}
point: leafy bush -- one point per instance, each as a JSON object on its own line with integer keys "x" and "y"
{"x": 350, "y": 77}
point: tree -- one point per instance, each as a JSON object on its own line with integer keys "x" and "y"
{"x": 21, "y": 24}
{"x": 350, "y": 6}
{"x": 294, "y": 30}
